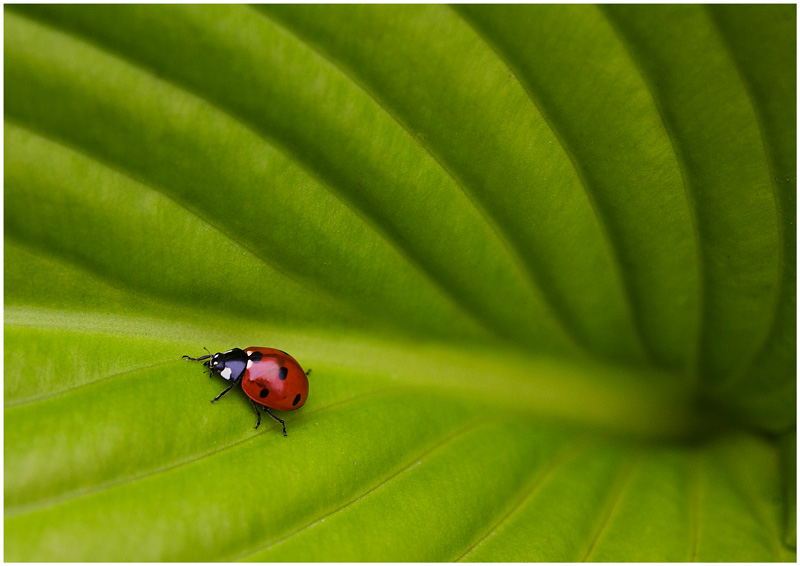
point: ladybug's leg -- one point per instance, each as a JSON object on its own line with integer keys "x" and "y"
{"x": 277, "y": 419}
{"x": 231, "y": 386}
{"x": 255, "y": 406}
{"x": 308, "y": 372}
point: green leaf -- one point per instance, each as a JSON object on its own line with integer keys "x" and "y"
{"x": 541, "y": 260}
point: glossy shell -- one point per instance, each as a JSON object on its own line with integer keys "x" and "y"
{"x": 274, "y": 379}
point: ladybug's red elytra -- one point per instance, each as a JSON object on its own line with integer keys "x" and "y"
{"x": 271, "y": 378}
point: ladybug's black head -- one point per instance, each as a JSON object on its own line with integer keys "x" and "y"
{"x": 214, "y": 363}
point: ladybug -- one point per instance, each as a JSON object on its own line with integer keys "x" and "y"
{"x": 271, "y": 378}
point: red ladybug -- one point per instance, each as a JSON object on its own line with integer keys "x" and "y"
{"x": 271, "y": 378}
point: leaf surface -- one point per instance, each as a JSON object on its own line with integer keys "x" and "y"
{"x": 542, "y": 266}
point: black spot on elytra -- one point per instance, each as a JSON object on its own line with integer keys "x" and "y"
{"x": 296, "y": 400}
{"x": 264, "y": 392}
{"x": 282, "y": 373}
{"x": 255, "y": 357}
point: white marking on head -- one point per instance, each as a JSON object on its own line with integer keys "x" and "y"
{"x": 226, "y": 373}
{"x": 249, "y": 364}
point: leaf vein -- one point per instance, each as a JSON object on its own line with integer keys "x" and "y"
{"x": 69, "y": 496}
{"x": 426, "y": 452}
{"x": 334, "y": 302}
{"x": 608, "y": 242}
{"x": 688, "y": 191}
{"x": 20, "y": 403}
{"x": 613, "y": 502}
{"x": 771, "y": 525}
{"x": 528, "y": 491}
{"x": 463, "y": 305}
{"x": 695, "y": 466}
{"x": 770, "y": 328}
{"x": 528, "y": 274}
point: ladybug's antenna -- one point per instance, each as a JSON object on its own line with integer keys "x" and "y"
{"x": 200, "y": 358}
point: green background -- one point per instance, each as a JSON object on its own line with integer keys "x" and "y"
{"x": 541, "y": 260}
